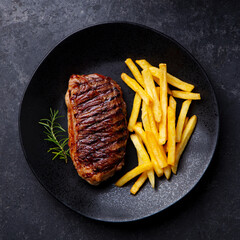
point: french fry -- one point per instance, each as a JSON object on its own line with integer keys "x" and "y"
{"x": 133, "y": 68}
{"x": 143, "y": 156}
{"x": 176, "y": 82}
{"x": 145, "y": 118}
{"x": 185, "y": 123}
{"x": 140, "y": 159}
{"x": 181, "y": 119}
{"x": 143, "y": 63}
{"x": 186, "y": 95}
{"x": 185, "y": 138}
{"x": 151, "y": 90}
{"x": 171, "y": 136}
{"x": 158, "y": 153}
{"x": 137, "y": 88}
{"x": 158, "y": 170}
{"x": 152, "y": 122}
{"x": 164, "y": 104}
{"x": 172, "y": 103}
{"x": 133, "y": 173}
{"x": 140, "y": 132}
{"x": 169, "y": 91}
{"x": 135, "y": 111}
{"x": 167, "y": 172}
{"x": 137, "y": 185}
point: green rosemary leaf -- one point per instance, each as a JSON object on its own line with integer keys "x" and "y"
{"x": 55, "y": 133}
{"x": 65, "y": 141}
{"x": 44, "y": 124}
{"x": 45, "y": 119}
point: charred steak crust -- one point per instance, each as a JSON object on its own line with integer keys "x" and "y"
{"x": 97, "y": 126}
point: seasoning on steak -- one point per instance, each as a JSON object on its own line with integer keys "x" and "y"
{"x": 97, "y": 126}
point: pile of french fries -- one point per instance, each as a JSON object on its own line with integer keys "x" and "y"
{"x": 159, "y": 139}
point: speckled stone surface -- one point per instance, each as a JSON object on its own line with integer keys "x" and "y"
{"x": 208, "y": 29}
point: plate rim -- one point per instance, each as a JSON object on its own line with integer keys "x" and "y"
{"x": 159, "y": 33}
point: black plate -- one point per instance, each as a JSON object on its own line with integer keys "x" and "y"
{"x": 103, "y": 49}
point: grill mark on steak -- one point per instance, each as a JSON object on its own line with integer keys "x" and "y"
{"x": 99, "y": 118}
{"x": 97, "y": 126}
{"x": 101, "y": 85}
{"x": 95, "y": 110}
{"x": 86, "y": 106}
{"x": 101, "y": 129}
{"x": 98, "y": 145}
{"x": 103, "y": 136}
{"x": 80, "y": 95}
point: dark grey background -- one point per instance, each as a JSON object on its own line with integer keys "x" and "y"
{"x": 208, "y": 29}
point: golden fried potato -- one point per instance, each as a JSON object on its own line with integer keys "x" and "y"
{"x": 186, "y": 95}
{"x": 164, "y": 104}
{"x": 137, "y": 185}
{"x": 167, "y": 172}
{"x": 151, "y": 90}
{"x": 171, "y": 136}
{"x": 181, "y": 119}
{"x": 133, "y": 173}
{"x": 143, "y": 63}
{"x": 179, "y": 83}
{"x": 137, "y": 88}
{"x": 135, "y": 111}
{"x": 184, "y": 140}
{"x": 133, "y": 68}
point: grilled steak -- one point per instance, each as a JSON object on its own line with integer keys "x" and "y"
{"x": 97, "y": 126}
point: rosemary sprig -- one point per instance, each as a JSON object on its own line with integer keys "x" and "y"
{"x": 55, "y": 134}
